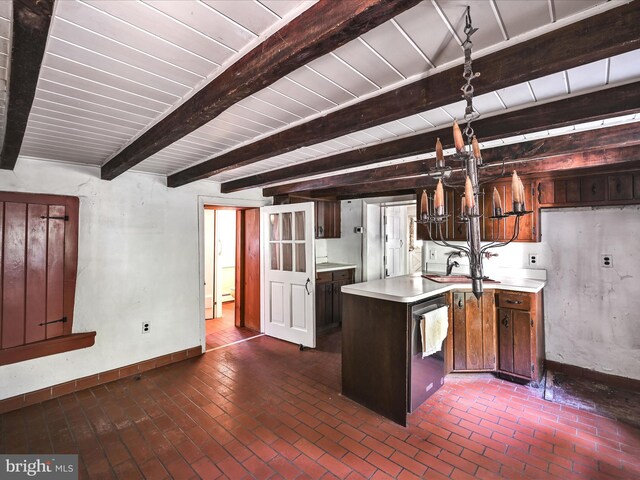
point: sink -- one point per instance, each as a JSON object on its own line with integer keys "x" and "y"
{"x": 447, "y": 278}
{"x": 454, "y": 279}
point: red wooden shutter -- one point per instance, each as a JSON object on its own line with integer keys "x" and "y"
{"x": 38, "y": 258}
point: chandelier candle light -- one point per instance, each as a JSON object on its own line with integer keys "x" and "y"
{"x": 470, "y": 155}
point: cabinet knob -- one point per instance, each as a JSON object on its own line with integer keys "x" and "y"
{"x": 514, "y": 302}
{"x": 505, "y": 321}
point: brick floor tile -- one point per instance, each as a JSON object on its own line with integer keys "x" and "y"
{"x": 408, "y": 463}
{"x": 257, "y": 467}
{"x": 355, "y": 447}
{"x": 458, "y": 462}
{"x": 308, "y": 448}
{"x": 284, "y": 467}
{"x": 199, "y": 418}
{"x": 206, "y": 469}
{"x": 358, "y": 464}
{"x": 128, "y": 471}
{"x": 383, "y": 464}
{"x": 377, "y": 446}
{"x": 445, "y": 444}
{"x": 434, "y": 463}
{"x": 179, "y": 469}
{"x": 232, "y": 469}
{"x": 309, "y": 466}
{"x": 335, "y": 466}
{"x": 331, "y": 447}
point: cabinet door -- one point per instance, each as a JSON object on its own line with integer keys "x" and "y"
{"x": 321, "y": 215}
{"x": 515, "y": 342}
{"x": 505, "y": 340}
{"x": 521, "y": 343}
{"x": 503, "y": 229}
{"x": 337, "y": 300}
{"x": 474, "y": 331}
{"x": 335, "y": 219}
{"x": 324, "y": 305}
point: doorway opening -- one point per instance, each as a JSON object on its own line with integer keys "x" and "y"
{"x": 231, "y": 275}
{"x": 401, "y": 253}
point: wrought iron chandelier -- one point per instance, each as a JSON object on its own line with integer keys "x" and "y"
{"x": 469, "y": 156}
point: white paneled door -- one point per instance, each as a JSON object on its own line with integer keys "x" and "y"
{"x": 394, "y": 241}
{"x": 289, "y": 273}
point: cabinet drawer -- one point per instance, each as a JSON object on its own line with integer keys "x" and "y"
{"x": 323, "y": 277}
{"x": 516, "y": 301}
{"x": 343, "y": 274}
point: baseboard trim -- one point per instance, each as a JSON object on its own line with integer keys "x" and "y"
{"x": 48, "y": 393}
{"x": 606, "y": 378}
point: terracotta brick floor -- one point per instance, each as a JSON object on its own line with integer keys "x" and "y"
{"x": 222, "y": 331}
{"x": 263, "y": 409}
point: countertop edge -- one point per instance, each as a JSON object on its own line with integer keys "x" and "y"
{"x": 446, "y": 287}
{"x": 334, "y": 268}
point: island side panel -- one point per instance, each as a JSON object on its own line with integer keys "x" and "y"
{"x": 374, "y": 355}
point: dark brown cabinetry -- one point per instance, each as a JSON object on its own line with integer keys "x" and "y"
{"x": 327, "y": 219}
{"x": 473, "y": 335}
{"x": 503, "y": 332}
{"x": 596, "y": 189}
{"x": 329, "y": 297}
{"x": 520, "y": 335}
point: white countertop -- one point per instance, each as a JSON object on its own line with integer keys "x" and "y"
{"x": 330, "y": 266}
{"x": 412, "y": 288}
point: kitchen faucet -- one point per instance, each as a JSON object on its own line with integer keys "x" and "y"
{"x": 451, "y": 264}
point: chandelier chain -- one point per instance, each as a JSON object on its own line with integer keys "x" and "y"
{"x": 467, "y": 89}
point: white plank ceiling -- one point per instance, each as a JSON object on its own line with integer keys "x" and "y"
{"x": 112, "y": 69}
{"x": 5, "y": 45}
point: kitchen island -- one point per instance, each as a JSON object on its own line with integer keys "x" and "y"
{"x": 382, "y": 367}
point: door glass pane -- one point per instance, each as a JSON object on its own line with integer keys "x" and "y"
{"x": 275, "y": 256}
{"x": 301, "y": 258}
{"x": 274, "y": 228}
{"x": 286, "y": 226}
{"x": 287, "y": 257}
{"x": 299, "y": 225}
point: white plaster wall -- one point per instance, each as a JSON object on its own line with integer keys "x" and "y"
{"x": 348, "y": 248}
{"x": 592, "y": 314}
{"x": 138, "y": 260}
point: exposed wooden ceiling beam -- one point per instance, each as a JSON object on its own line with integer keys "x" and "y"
{"x": 578, "y": 150}
{"x": 317, "y": 31}
{"x": 601, "y": 36}
{"x": 584, "y": 108}
{"x": 31, "y": 20}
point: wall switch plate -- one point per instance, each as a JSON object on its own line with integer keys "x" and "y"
{"x": 606, "y": 260}
{"x": 146, "y": 327}
{"x": 533, "y": 259}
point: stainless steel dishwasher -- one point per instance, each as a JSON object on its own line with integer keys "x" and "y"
{"x": 426, "y": 374}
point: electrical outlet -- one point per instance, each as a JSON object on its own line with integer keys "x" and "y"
{"x": 533, "y": 259}
{"x": 146, "y": 327}
{"x": 606, "y": 260}
{"x": 432, "y": 254}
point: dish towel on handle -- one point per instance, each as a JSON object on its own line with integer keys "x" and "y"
{"x": 433, "y": 329}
